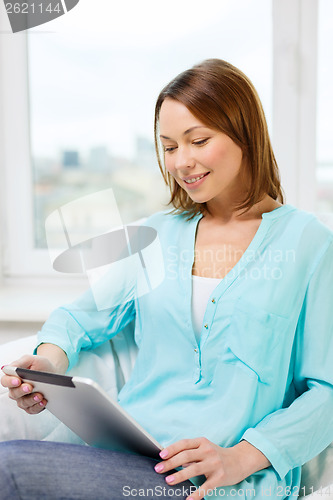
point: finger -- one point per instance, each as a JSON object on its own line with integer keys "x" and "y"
{"x": 37, "y": 408}
{"x": 32, "y": 401}
{"x": 181, "y": 459}
{"x": 10, "y": 382}
{"x": 34, "y": 410}
{"x": 23, "y": 390}
{"x": 184, "y": 474}
{"x": 25, "y": 361}
{"x": 183, "y": 444}
{"x": 206, "y": 488}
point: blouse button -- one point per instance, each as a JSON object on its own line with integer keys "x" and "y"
{"x": 195, "y": 350}
{"x": 213, "y": 300}
{"x": 206, "y": 326}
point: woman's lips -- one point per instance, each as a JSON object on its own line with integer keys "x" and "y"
{"x": 195, "y": 181}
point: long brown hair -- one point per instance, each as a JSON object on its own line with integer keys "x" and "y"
{"x": 224, "y": 99}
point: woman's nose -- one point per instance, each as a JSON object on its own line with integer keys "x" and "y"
{"x": 183, "y": 158}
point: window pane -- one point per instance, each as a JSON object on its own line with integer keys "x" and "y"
{"x": 94, "y": 81}
{"x": 324, "y": 202}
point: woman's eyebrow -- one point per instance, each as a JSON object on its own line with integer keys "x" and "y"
{"x": 186, "y": 131}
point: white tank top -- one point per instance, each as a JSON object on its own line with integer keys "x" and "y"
{"x": 201, "y": 291}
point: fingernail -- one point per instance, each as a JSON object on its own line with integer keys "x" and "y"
{"x": 170, "y": 479}
{"x": 15, "y": 381}
{"x": 41, "y": 403}
{"x": 37, "y": 399}
{"x": 26, "y": 388}
{"x": 3, "y": 367}
{"x": 159, "y": 467}
{"x": 164, "y": 453}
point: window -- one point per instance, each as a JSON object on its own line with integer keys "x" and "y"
{"x": 77, "y": 98}
{"x": 92, "y": 92}
{"x": 324, "y": 170}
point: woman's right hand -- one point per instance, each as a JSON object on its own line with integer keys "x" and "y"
{"x": 22, "y": 392}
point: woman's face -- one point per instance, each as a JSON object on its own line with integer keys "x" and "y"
{"x": 206, "y": 163}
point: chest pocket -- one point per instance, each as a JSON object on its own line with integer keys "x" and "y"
{"x": 256, "y": 340}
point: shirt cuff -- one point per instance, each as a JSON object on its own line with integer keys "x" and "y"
{"x": 259, "y": 441}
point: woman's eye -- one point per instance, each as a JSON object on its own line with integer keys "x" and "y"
{"x": 201, "y": 142}
{"x": 169, "y": 149}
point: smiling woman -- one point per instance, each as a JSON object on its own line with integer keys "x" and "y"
{"x": 233, "y": 379}
{"x": 216, "y": 116}
{"x": 217, "y": 157}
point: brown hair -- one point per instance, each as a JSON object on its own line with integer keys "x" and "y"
{"x": 224, "y": 99}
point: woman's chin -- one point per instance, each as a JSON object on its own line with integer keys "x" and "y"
{"x": 198, "y": 198}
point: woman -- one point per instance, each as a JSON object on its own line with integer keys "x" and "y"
{"x": 233, "y": 374}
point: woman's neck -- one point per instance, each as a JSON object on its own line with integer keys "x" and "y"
{"x": 226, "y": 213}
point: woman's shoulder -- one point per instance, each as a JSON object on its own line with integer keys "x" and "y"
{"x": 312, "y": 224}
{"x": 308, "y": 234}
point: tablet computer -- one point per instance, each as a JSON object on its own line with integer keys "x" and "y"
{"x": 83, "y": 406}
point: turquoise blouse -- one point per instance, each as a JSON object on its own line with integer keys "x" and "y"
{"x": 262, "y": 370}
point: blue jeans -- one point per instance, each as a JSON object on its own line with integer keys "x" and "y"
{"x": 40, "y": 470}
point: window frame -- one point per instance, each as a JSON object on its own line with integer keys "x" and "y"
{"x": 295, "y": 25}
{"x": 295, "y": 55}
{"x": 19, "y": 257}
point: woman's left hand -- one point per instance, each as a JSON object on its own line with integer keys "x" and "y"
{"x": 221, "y": 466}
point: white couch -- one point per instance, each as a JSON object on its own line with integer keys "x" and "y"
{"x": 110, "y": 365}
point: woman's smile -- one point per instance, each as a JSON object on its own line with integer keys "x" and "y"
{"x": 194, "y": 181}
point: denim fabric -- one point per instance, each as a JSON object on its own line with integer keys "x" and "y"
{"x": 31, "y": 470}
